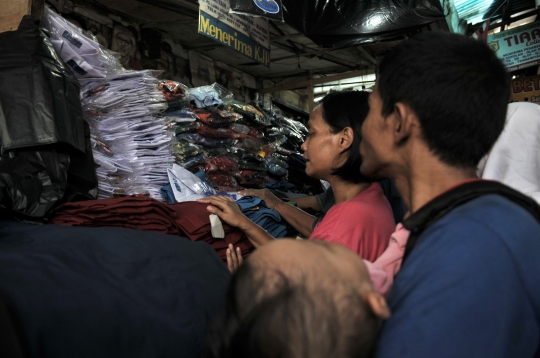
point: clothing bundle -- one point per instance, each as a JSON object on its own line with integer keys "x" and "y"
{"x": 130, "y": 144}
{"x": 187, "y": 219}
{"x": 238, "y": 145}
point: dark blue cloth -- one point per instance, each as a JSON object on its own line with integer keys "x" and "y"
{"x": 265, "y": 217}
{"x": 281, "y": 186}
{"x": 167, "y": 194}
{"x": 110, "y": 292}
{"x": 247, "y": 202}
{"x": 470, "y": 287}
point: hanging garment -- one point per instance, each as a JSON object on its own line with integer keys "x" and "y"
{"x": 514, "y": 158}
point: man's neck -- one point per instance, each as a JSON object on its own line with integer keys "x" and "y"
{"x": 344, "y": 191}
{"x": 422, "y": 183}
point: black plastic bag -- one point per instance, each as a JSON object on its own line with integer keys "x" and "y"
{"x": 32, "y": 182}
{"x": 39, "y": 95}
{"x": 270, "y": 9}
{"x": 45, "y": 143}
{"x": 350, "y": 22}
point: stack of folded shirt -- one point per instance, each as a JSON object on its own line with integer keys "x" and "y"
{"x": 257, "y": 211}
{"x": 187, "y": 219}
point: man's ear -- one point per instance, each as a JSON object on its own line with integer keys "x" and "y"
{"x": 404, "y": 122}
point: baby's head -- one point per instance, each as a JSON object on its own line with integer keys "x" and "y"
{"x": 295, "y": 298}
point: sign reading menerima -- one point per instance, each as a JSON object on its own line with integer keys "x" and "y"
{"x": 226, "y": 35}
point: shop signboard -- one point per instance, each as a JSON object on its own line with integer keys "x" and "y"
{"x": 526, "y": 89}
{"x": 519, "y": 47}
{"x": 247, "y": 35}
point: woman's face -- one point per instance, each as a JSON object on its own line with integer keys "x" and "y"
{"x": 321, "y": 148}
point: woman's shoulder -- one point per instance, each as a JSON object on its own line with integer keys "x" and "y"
{"x": 369, "y": 198}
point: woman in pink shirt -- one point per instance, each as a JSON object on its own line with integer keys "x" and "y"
{"x": 362, "y": 218}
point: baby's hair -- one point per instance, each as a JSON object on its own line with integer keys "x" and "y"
{"x": 270, "y": 315}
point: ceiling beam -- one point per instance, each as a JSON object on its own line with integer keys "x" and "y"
{"x": 286, "y": 37}
{"x": 367, "y": 55}
{"x": 316, "y": 81}
{"x": 322, "y": 54}
{"x": 515, "y": 19}
{"x": 282, "y": 33}
{"x": 323, "y": 71}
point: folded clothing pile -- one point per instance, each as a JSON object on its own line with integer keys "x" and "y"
{"x": 122, "y": 111}
{"x": 188, "y": 219}
{"x": 214, "y": 125}
{"x": 131, "y": 145}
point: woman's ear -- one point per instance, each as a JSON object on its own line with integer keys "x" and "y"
{"x": 346, "y": 138}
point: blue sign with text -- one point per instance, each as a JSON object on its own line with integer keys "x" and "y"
{"x": 227, "y": 36}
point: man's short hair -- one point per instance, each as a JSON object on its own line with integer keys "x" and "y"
{"x": 457, "y": 87}
{"x": 268, "y": 315}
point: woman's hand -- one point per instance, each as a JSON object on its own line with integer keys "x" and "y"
{"x": 270, "y": 199}
{"x": 227, "y": 210}
{"x": 234, "y": 258}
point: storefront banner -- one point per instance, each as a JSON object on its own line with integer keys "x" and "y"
{"x": 234, "y": 39}
{"x": 253, "y": 27}
{"x": 517, "y": 48}
{"x": 526, "y": 89}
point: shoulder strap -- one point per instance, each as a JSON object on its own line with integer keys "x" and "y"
{"x": 445, "y": 203}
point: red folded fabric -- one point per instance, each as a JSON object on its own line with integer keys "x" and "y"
{"x": 187, "y": 219}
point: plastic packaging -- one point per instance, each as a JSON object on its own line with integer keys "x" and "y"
{"x": 249, "y": 144}
{"x": 174, "y": 93}
{"x": 192, "y": 161}
{"x": 217, "y": 151}
{"x": 85, "y": 57}
{"x": 276, "y": 137}
{"x": 46, "y": 154}
{"x": 221, "y": 180}
{"x": 249, "y": 165}
{"x": 252, "y": 178}
{"x": 214, "y": 117}
{"x": 183, "y": 150}
{"x": 186, "y": 186}
{"x": 223, "y": 132}
{"x": 204, "y": 97}
{"x": 205, "y": 141}
{"x": 180, "y": 115}
{"x": 245, "y": 129}
{"x": 277, "y": 170}
{"x": 183, "y": 127}
{"x": 241, "y": 153}
{"x": 222, "y": 163}
{"x": 279, "y": 156}
{"x": 247, "y": 111}
{"x": 274, "y": 160}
